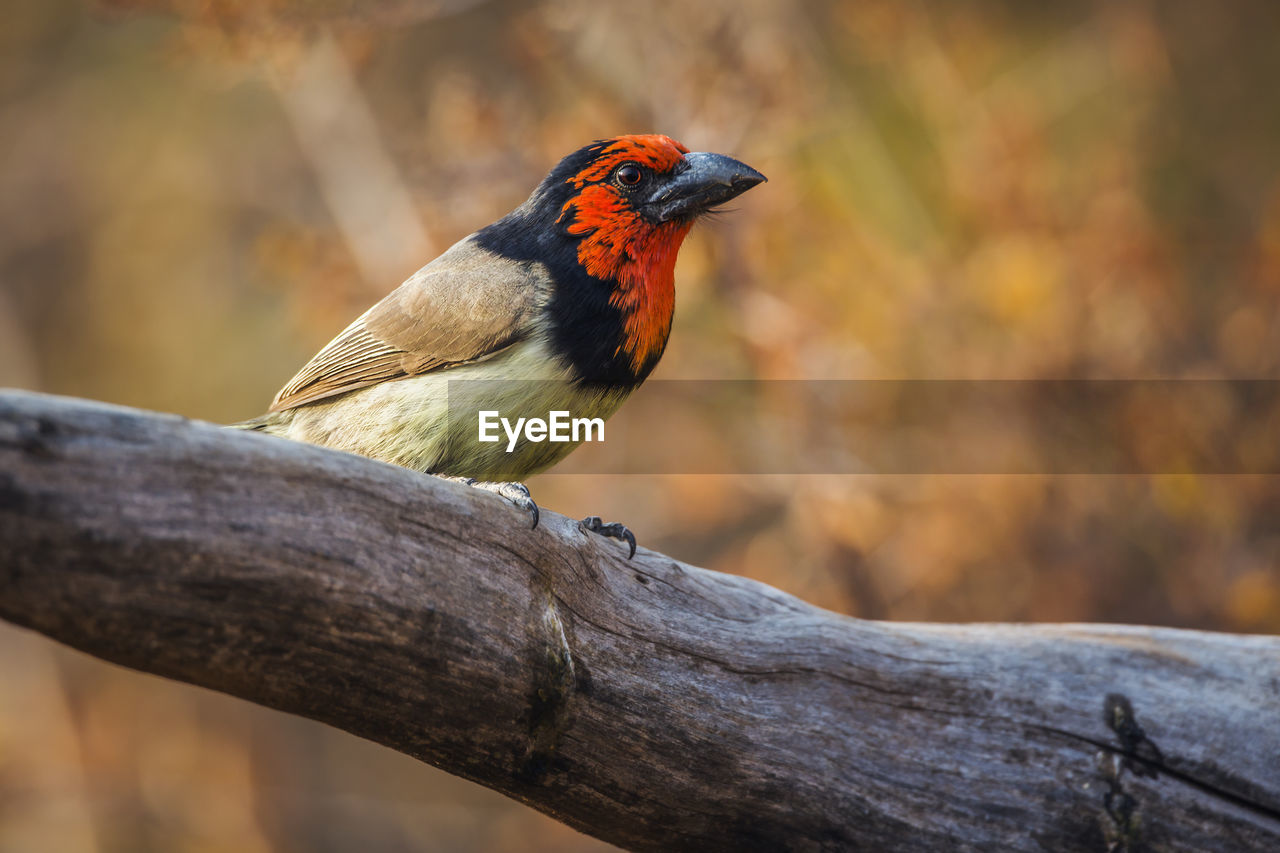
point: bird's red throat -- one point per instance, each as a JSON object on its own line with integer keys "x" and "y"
{"x": 620, "y": 245}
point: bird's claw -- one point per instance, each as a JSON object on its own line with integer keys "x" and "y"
{"x": 517, "y": 493}
{"x": 593, "y": 524}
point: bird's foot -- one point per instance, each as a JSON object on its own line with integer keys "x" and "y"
{"x": 517, "y": 493}
{"x": 593, "y": 524}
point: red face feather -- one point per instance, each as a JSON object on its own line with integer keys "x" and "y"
{"x": 622, "y": 246}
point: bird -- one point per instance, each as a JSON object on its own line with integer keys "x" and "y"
{"x": 564, "y": 304}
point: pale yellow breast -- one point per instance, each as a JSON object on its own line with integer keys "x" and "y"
{"x": 430, "y": 423}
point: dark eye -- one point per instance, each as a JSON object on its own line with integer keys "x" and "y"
{"x": 629, "y": 175}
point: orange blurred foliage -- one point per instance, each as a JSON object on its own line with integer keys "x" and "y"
{"x": 194, "y": 196}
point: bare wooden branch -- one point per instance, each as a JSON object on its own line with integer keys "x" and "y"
{"x": 649, "y": 703}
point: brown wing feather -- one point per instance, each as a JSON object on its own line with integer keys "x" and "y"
{"x": 464, "y": 306}
{"x": 354, "y": 359}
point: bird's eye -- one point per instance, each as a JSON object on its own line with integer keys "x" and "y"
{"x": 629, "y": 175}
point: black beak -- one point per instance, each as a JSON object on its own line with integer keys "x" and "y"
{"x": 707, "y": 180}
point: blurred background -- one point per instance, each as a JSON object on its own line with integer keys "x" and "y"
{"x": 197, "y": 194}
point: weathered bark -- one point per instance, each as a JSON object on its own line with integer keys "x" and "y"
{"x": 650, "y": 703}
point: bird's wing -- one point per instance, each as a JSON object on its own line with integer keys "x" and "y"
{"x": 464, "y": 306}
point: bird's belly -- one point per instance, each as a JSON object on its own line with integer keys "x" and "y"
{"x": 431, "y": 422}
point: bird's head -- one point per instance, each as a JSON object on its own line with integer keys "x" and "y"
{"x": 620, "y": 195}
{"x": 627, "y": 198}
{"x": 618, "y": 210}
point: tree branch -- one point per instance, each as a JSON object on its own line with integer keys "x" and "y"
{"x": 650, "y": 703}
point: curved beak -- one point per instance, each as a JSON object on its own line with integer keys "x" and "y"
{"x": 707, "y": 180}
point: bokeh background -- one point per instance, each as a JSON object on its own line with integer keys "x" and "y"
{"x": 196, "y": 194}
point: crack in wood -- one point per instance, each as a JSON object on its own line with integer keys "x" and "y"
{"x": 554, "y": 677}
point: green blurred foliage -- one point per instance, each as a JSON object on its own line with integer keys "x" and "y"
{"x": 961, "y": 190}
